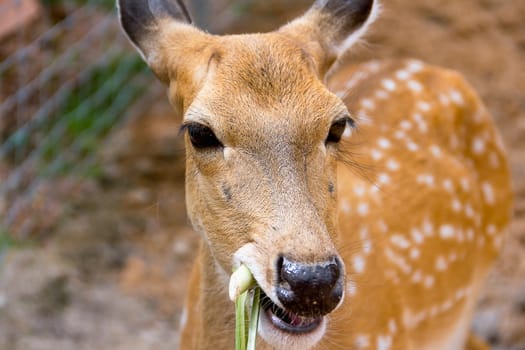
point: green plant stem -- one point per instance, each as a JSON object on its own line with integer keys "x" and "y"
{"x": 254, "y": 318}
{"x": 240, "y": 322}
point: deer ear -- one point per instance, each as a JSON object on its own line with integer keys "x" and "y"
{"x": 330, "y": 27}
{"x": 149, "y": 24}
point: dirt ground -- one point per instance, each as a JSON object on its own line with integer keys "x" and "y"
{"x": 113, "y": 274}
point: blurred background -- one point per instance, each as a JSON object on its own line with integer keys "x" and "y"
{"x": 95, "y": 247}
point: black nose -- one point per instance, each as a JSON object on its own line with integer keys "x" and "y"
{"x": 310, "y": 289}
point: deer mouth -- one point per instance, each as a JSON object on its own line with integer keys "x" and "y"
{"x": 288, "y": 321}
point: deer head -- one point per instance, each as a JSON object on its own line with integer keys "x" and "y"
{"x": 262, "y": 135}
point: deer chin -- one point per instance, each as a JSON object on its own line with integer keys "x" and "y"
{"x": 283, "y": 329}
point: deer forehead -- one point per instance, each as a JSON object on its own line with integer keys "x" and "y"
{"x": 261, "y": 87}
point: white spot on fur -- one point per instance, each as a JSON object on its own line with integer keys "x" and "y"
{"x": 392, "y": 326}
{"x": 383, "y": 179}
{"x": 423, "y": 106}
{"x": 415, "y": 253}
{"x": 392, "y": 165}
{"x": 406, "y": 125}
{"x": 441, "y": 264}
{"x": 384, "y": 342}
{"x": 414, "y": 66}
{"x": 415, "y": 86}
{"x": 359, "y": 190}
{"x": 403, "y": 74}
{"x": 445, "y": 101}
{"x": 362, "y": 209}
{"x": 358, "y": 262}
{"x": 384, "y": 143}
{"x": 469, "y": 212}
{"x": 362, "y": 341}
{"x": 465, "y": 184}
{"x": 381, "y": 94}
{"x": 417, "y": 236}
{"x": 372, "y": 66}
{"x": 399, "y": 261}
{"x": 426, "y": 179}
{"x": 436, "y": 151}
{"x": 429, "y": 282}
{"x": 400, "y": 241}
{"x": 412, "y": 146}
{"x": 421, "y": 123}
{"x": 488, "y": 193}
{"x": 400, "y": 135}
{"x": 376, "y": 154}
{"x": 478, "y": 146}
{"x": 447, "y": 231}
{"x": 456, "y": 205}
{"x": 448, "y": 185}
{"x": 412, "y": 320}
{"x": 417, "y": 276}
{"x": 457, "y": 97}
{"x": 428, "y": 228}
{"x": 368, "y": 103}
{"x": 389, "y": 84}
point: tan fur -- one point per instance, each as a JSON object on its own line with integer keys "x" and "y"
{"x": 423, "y": 194}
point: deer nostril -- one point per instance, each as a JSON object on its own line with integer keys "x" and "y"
{"x": 309, "y": 289}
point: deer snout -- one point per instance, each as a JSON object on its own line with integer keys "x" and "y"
{"x": 310, "y": 289}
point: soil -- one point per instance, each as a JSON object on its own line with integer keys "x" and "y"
{"x": 112, "y": 274}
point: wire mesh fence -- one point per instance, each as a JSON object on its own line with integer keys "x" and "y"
{"x": 68, "y": 77}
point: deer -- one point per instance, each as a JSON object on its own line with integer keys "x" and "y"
{"x": 368, "y": 200}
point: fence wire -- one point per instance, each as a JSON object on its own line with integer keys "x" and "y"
{"x": 68, "y": 78}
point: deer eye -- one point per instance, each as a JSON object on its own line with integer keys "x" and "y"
{"x": 202, "y": 137}
{"x": 337, "y": 129}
